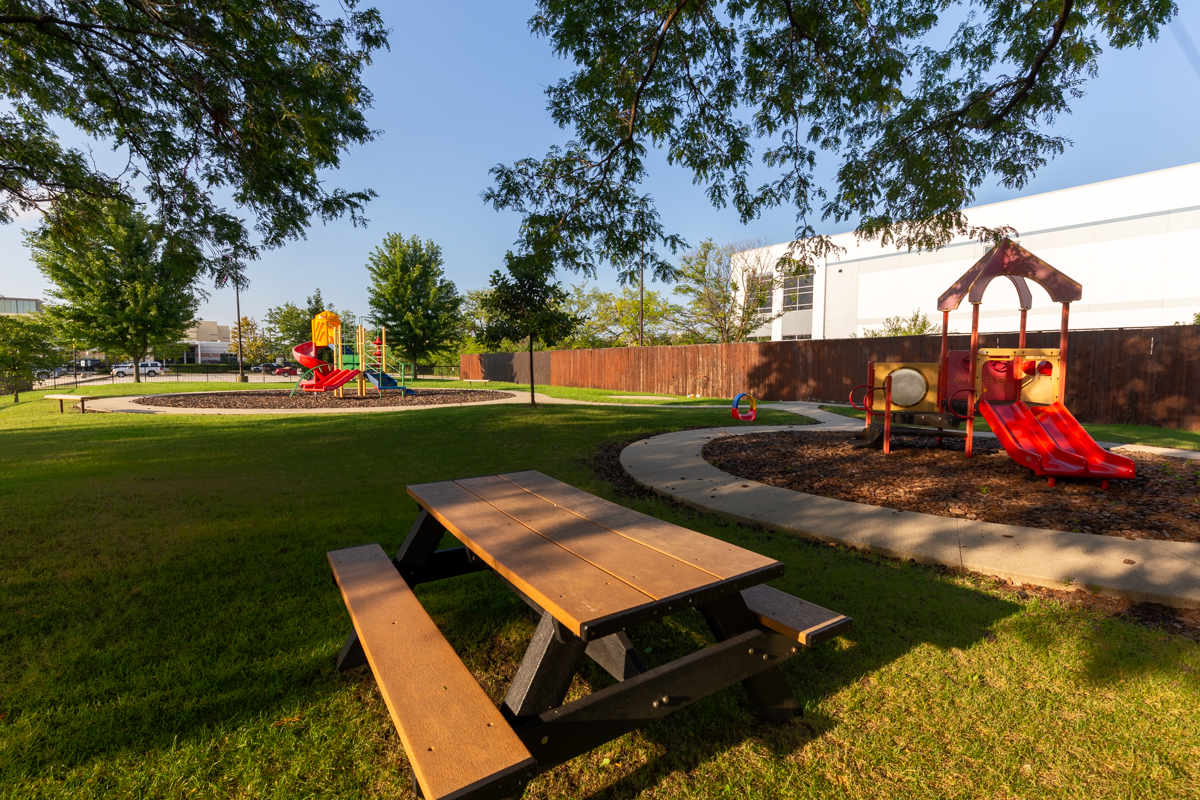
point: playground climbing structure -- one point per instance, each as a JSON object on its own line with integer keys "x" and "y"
{"x": 1020, "y": 392}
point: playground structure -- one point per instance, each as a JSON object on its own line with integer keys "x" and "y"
{"x": 1020, "y": 392}
{"x": 364, "y": 361}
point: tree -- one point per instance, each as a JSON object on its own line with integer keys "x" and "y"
{"x": 611, "y": 320}
{"x": 126, "y": 283}
{"x": 912, "y": 104}
{"x": 255, "y": 348}
{"x": 229, "y": 97}
{"x": 26, "y": 346}
{"x": 286, "y": 327}
{"x": 411, "y": 297}
{"x": 918, "y": 324}
{"x": 730, "y": 291}
{"x": 526, "y": 303}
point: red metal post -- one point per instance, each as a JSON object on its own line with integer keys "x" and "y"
{"x": 887, "y": 415}
{"x": 869, "y": 400}
{"x": 944, "y": 369}
{"x": 974, "y": 369}
{"x": 1024, "y": 314}
{"x": 1062, "y": 356}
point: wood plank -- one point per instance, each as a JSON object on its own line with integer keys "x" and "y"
{"x": 457, "y": 741}
{"x": 714, "y": 556}
{"x": 806, "y": 622}
{"x": 650, "y": 571}
{"x": 571, "y": 589}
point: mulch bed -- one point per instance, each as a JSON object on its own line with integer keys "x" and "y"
{"x": 1163, "y": 502}
{"x": 280, "y": 400}
{"x": 605, "y": 464}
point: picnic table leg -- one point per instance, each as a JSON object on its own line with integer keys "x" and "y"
{"x": 545, "y": 673}
{"x": 769, "y": 692}
{"x": 82, "y": 406}
{"x": 60, "y": 406}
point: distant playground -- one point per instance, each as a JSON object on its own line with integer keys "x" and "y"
{"x": 362, "y": 375}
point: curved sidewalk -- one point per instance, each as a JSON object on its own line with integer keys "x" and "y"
{"x": 1150, "y": 570}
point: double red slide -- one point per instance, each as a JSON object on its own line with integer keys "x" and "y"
{"x": 324, "y": 378}
{"x": 1049, "y": 441}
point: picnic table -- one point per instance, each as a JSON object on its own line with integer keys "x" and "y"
{"x": 592, "y": 570}
{"x": 472, "y": 381}
{"x": 82, "y": 398}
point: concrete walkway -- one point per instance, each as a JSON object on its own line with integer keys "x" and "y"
{"x": 1143, "y": 569}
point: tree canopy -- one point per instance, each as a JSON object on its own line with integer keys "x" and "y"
{"x": 915, "y": 103}
{"x": 125, "y": 283}
{"x": 411, "y": 296}
{"x": 229, "y": 97}
{"x": 729, "y": 290}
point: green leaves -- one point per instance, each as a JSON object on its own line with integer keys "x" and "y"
{"x": 230, "y": 96}
{"x": 526, "y": 302}
{"x": 126, "y": 283}
{"x": 916, "y": 103}
{"x": 412, "y": 298}
{"x": 26, "y": 346}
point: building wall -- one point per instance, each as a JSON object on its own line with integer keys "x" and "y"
{"x": 1134, "y": 244}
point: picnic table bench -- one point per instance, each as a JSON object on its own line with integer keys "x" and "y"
{"x": 591, "y": 569}
{"x": 82, "y": 398}
{"x": 473, "y": 381}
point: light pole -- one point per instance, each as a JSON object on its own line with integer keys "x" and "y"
{"x": 642, "y": 298}
{"x": 237, "y": 297}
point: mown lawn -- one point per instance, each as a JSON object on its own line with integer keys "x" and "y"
{"x": 169, "y": 628}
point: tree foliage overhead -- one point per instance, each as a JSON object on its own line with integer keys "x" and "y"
{"x": 254, "y": 99}
{"x": 916, "y": 102}
{"x": 411, "y": 296}
{"x": 125, "y": 284}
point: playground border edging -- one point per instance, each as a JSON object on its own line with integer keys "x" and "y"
{"x": 672, "y": 465}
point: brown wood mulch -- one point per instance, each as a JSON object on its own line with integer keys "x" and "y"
{"x": 605, "y": 464}
{"x": 1163, "y": 502}
{"x": 279, "y": 399}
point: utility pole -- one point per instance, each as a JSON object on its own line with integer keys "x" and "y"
{"x": 642, "y": 298}
{"x": 237, "y": 295}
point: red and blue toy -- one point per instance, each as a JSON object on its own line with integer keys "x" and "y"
{"x": 745, "y": 416}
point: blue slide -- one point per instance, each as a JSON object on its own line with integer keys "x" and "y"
{"x": 383, "y": 381}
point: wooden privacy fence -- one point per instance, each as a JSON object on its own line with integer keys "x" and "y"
{"x": 1142, "y": 376}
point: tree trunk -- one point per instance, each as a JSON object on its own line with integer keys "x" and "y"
{"x": 532, "y": 402}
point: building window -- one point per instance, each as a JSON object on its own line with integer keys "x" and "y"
{"x": 10, "y": 305}
{"x": 798, "y": 293}
{"x": 797, "y": 336}
{"x": 763, "y": 284}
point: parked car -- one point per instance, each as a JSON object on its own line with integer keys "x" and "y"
{"x": 265, "y": 369}
{"x": 147, "y": 368}
{"x": 57, "y": 372}
{"x": 286, "y": 371}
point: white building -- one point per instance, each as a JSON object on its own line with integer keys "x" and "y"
{"x": 1134, "y": 244}
{"x": 205, "y": 343}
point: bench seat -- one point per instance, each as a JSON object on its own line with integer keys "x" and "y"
{"x": 458, "y": 743}
{"x": 807, "y": 623}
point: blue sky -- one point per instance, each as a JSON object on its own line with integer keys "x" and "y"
{"x": 462, "y": 89}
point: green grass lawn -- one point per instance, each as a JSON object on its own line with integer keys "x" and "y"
{"x": 1129, "y": 434}
{"x": 169, "y": 629}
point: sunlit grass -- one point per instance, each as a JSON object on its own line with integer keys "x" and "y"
{"x": 169, "y": 629}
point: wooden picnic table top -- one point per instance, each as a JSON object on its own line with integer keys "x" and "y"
{"x": 596, "y": 566}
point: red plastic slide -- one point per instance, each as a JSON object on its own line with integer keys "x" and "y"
{"x": 1049, "y": 441}
{"x": 325, "y": 378}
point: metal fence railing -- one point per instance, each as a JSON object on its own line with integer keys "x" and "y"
{"x": 84, "y": 379}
